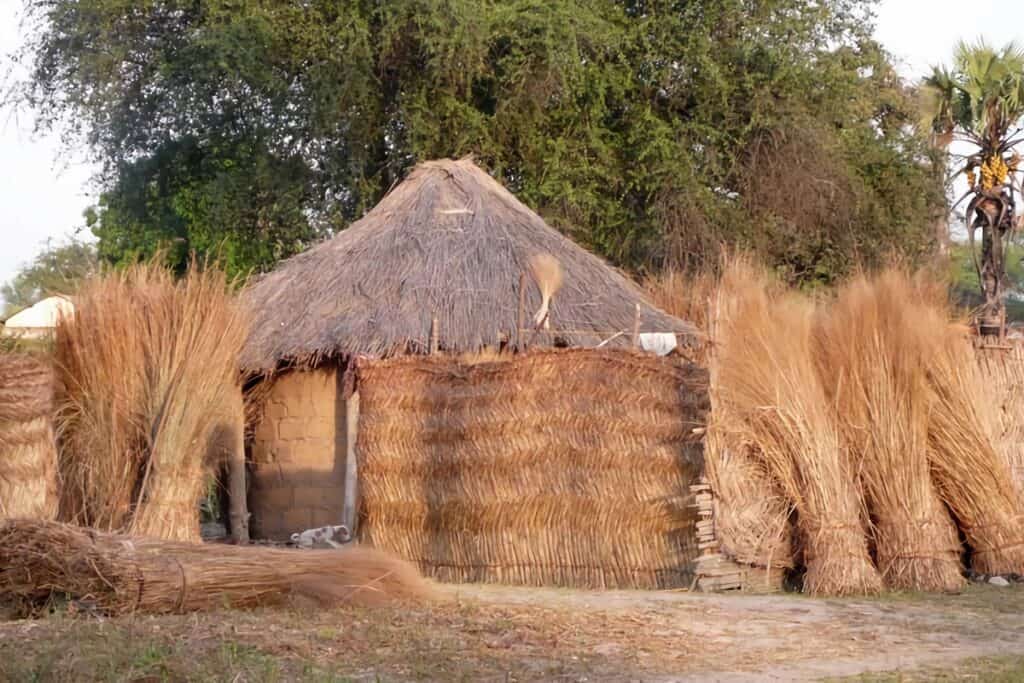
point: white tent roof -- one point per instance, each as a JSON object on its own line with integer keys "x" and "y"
{"x": 42, "y": 314}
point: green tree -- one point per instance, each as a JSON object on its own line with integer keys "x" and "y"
{"x": 56, "y": 269}
{"x": 652, "y": 130}
{"x": 980, "y": 102}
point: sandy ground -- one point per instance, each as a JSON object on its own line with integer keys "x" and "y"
{"x": 789, "y": 637}
{"x": 515, "y": 634}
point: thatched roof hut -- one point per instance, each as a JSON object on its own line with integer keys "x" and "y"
{"x": 449, "y": 242}
{"x": 564, "y": 466}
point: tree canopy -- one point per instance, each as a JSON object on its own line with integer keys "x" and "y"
{"x": 651, "y": 130}
{"x": 980, "y": 102}
{"x": 56, "y": 269}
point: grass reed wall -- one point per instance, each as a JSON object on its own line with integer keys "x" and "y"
{"x": 28, "y": 451}
{"x": 567, "y": 468}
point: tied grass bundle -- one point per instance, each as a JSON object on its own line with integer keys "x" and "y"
{"x": 114, "y": 575}
{"x": 547, "y": 272}
{"x": 766, "y": 377}
{"x": 972, "y": 477}
{"x": 146, "y": 364}
{"x": 1003, "y": 373}
{"x": 752, "y": 515}
{"x": 874, "y": 345}
{"x": 28, "y": 451}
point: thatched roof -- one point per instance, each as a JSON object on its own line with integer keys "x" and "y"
{"x": 448, "y": 242}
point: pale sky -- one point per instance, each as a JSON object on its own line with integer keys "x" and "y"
{"x": 44, "y": 189}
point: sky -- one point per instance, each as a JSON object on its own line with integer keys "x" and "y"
{"x": 44, "y": 188}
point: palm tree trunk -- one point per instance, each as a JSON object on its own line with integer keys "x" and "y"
{"x": 992, "y": 314}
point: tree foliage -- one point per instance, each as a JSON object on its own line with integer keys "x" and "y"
{"x": 56, "y": 269}
{"x": 651, "y": 130}
{"x": 980, "y": 102}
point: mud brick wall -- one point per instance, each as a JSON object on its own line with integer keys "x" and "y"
{"x": 298, "y": 456}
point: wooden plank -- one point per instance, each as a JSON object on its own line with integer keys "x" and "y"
{"x": 351, "y": 467}
{"x": 636, "y": 327}
{"x": 238, "y": 513}
{"x": 521, "y": 313}
{"x": 434, "y": 335}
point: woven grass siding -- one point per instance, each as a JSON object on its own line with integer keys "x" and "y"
{"x": 567, "y": 468}
{"x": 28, "y": 449}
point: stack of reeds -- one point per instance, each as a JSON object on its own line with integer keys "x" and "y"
{"x": 563, "y": 468}
{"x": 1003, "y": 372}
{"x": 971, "y": 475}
{"x": 145, "y": 364}
{"x": 111, "y": 574}
{"x": 751, "y": 513}
{"x": 767, "y": 383}
{"x": 28, "y": 453}
{"x": 875, "y": 343}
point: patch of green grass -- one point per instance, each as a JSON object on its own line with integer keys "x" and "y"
{"x": 116, "y": 656}
{"x": 1004, "y": 669}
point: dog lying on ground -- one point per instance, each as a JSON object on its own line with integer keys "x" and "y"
{"x": 323, "y": 537}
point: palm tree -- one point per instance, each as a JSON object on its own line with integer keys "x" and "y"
{"x": 980, "y": 102}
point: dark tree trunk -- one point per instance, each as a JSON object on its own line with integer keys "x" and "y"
{"x": 992, "y": 314}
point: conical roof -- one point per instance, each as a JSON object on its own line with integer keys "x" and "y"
{"x": 449, "y": 243}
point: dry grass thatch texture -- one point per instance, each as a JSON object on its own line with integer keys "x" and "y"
{"x": 556, "y": 467}
{"x": 122, "y": 575}
{"x": 688, "y": 296}
{"x": 28, "y": 450}
{"x": 766, "y": 380}
{"x": 874, "y": 346}
{"x": 971, "y": 475}
{"x": 1003, "y": 373}
{"x": 461, "y": 242}
{"x": 146, "y": 364}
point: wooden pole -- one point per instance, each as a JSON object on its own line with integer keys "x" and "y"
{"x": 351, "y": 467}
{"x": 636, "y": 327}
{"x": 522, "y": 311}
{"x": 434, "y": 335}
{"x": 238, "y": 513}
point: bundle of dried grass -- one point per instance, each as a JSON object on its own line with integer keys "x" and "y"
{"x": 766, "y": 377}
{"x": 688, "y": 296}
{"x": 547, "y": 272}
{"x": 1003, "y": 373}
{"x": 970, "y": 474}
{"x": 28, "y": 452}
{"x": 874, "y": 346}
{"x": 145, "y": 364}
{"x": 751, "y": 514}
{"x": 119, "y": 574}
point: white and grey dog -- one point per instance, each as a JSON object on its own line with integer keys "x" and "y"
{"x": 323, "y": 537}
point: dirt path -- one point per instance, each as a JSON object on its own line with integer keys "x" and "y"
{"x": 489, "y": 633}
{"x": 788, "y": 637}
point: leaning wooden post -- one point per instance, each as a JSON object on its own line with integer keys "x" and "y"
{"x": 521, "y": 313}
{"x": 351, "y": 467}
{"x": 238, "y": 515}
{"x": 434, "y": 335}
{"x": 636, "y": 327}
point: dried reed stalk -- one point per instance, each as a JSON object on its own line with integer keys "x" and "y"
{"x": 684, "y": 295}
{"x": 751, "y": 514}
{"x": 972, "y": 477}
{"x": 874, "y": 346}
{"x": 1003, "y": 372}
{"x": 547, "y": 272}
{"x": 120, "y": 574}
{"x": 145, "y": 364}
{"x": 766, "y": 377}
{"x": 28, "y": 452}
